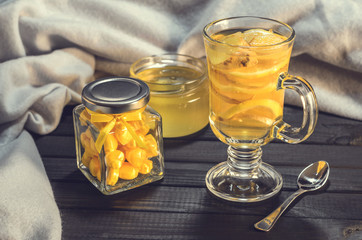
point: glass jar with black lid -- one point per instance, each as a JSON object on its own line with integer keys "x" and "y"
{"x": 118, "y": 136}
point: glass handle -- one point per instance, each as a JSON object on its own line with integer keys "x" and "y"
{"x": 285, "y": 131}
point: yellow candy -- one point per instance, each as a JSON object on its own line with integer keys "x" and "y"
{"x": 86, "y": 158}
{"x": 134, "y": 135}
{"x": 84, "y": 117}
{"x": 95, "y": 167}
{"x": 111, "y": 143}
{"x": 152, "y": 146}
{"x": 114, "y": 159}
{"x": 146, "y": 167}
{"x": 147, "y": 118}
{"x": 112, "y": 176}
{"x": 136, "y": 157}
{"x": 132, "y": 144}
{"x": 140, "y": 127}
{"x": 128, "y": 172}
{"x": 132, "y": 115}
{"x": 122, "y": 134}
{"x": 87, "y": 141}
{"x": 84, "y": 140}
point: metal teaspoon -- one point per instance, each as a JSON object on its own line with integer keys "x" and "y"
{"x": 311, "y": 178}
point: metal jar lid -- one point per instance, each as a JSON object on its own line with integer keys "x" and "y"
{"x": 115, "y": 95}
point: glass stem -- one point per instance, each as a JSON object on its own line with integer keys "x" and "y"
{"x": 244, "y": 162}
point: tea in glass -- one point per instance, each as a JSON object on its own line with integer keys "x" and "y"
{"x": 245, "y": 103}
{"x": 248, "y": 60}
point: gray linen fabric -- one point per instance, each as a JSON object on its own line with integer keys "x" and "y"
{"x": 50, "y": 49}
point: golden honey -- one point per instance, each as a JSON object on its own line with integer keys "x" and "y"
{"x": 179, "y": 91}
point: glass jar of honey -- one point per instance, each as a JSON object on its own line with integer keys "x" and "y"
{"x": 179, "y": 91}
{"x": 118, "y": 136}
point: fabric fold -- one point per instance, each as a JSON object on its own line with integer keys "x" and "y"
{"x": 27, "y": 206}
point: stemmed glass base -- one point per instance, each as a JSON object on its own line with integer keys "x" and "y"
{"x": 244, "y": 177}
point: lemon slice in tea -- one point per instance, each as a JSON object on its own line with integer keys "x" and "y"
{"x": 244, "y": 90}
{"x": 260, "y": 73}
{"x": 261, "y": 37}
{"x": 219, "y": 55}
{"x": 234, "y": 39}
{"x": 272, "y": 105}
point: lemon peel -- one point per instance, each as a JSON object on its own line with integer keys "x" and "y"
{"x": 217, "y": 57}
{"x": 260, "y": 73}
{"x": 234, "y": 39}
{"x": 246, "y": 90}
{"x": 261, "y": 37}
{"x": 272, "y": 105}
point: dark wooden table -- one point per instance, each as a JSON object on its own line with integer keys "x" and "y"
{"x": 180, "y": 207}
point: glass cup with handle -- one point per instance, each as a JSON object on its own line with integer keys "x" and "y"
{"x": 248, "y": 59}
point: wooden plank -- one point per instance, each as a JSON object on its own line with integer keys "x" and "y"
{"x": 275, "y": 154}
{"x": 330, "y": 129}
{"x": 215, "y": 152}
{"x": 188, "y": 174}
{"x": 96, "y": 224}
{"x": 200, "y": 201}
{"x": 180, "y": 207}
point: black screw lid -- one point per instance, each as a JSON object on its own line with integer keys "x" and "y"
{"x": 115, "y": 95}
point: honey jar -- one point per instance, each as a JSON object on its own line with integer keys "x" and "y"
{"x": 118, "y": 136}
{"x": 179, "y": 91}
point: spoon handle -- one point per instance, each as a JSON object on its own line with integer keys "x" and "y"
{"x": 268, "y": 222}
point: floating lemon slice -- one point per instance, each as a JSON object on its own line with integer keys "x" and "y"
{"x": 234, "y": 39}
{"x": 219, "y": 55}
{"x": 246, "y": 90}
{"x": 261, "y": 37}
{"x": 252, "y": 33}
{"x": 272, "y": 105}
{"x": 260, "y": 73}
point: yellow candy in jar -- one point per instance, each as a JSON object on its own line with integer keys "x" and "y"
{"x": 86, "y": 158}
{"x": 111, "y": 143}
{"x": 111, "y": 137}
{"x": 152, "y": 146}
{"x": 146, "y": 166}
{"x": 136, "y": 157}
{"x": 95, "y": 167}
{"x": 128, "y": 171}
{"x": 114, "y": 159}
{"x": 122, "y": 134}
{"x": 112, "y": 176}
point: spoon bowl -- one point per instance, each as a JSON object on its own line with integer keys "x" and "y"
{"x": 314, "y": 176}
{"x": 311, "y": 178}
